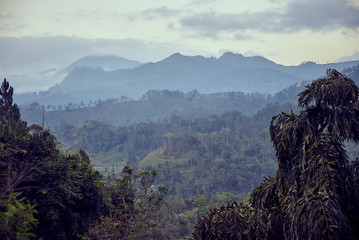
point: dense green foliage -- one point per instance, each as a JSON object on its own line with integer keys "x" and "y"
{"x": 17, "y": 217}
{"x": 64, "y": 187}
{"x": 237, "y": 149}
{"x": 50, "y": 194}
{"x": 205, "y": 162}
{"x": 314, "y": 194}
{"x": 133, "y": 211}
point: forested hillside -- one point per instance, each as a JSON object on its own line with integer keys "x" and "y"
{"x": 167, "y": 133}
{"x": 47, "y": 193}
{"x": 236, "y": 147}
{"x": 156, "y": 179}
{"x": 154, "y": 105}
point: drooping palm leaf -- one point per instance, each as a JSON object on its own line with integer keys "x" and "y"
{"x": 315, "y": 193}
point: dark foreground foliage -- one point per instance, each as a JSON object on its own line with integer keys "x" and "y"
{"x": 41, "y": 186}
{"x": 315, "y": 193}
{"x": 46, "y": 193}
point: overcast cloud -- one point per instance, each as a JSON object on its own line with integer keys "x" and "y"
{"x": 319, "y": 15}
{"x": 42, "y": 34}
{"x": 59, "y": 52}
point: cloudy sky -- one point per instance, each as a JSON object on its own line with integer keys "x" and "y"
{"x": 38, "y": 34}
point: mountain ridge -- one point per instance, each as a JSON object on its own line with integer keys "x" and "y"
{"x": 229, "y": 72}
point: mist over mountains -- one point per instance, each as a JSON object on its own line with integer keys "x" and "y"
{"x": 104, "y": 77}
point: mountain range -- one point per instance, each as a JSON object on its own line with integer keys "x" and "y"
{"x": 104, "y": 77}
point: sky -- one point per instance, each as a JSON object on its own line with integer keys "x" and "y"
{"x": 39, "y": 34}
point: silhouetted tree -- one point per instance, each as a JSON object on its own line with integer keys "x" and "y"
{"x": 8, "y": 110}
{"x": 315, "y": 193}
{"x": 65, "y": 188}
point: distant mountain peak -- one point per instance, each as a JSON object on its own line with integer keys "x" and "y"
{"x": 308, "y": 63}
{"x": 174, "y": 56}
{"x": 177, "y": 54}
{"x": 230, "y": 72}
{"x": 243, "y": 61}
{"x": 231, "y": 54}
{"x": 106, "y": 62}
{"x": 180, "y": 58}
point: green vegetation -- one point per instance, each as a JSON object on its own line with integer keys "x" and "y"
{"x": 64, "y": 187}
{"x": 220, "y": 153}
{"x": 157, "y": 105}
{"x": 314, "y": 194}
{"x": 51, "y": 194}
{"x": 17, "y": 217}
{"x": 135, "y": 201}
{"x": 205, "y": 168}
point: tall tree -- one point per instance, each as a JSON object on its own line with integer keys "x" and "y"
{"x": 9, "y": 111}
{"x": 315, "y": 193}
{"x": 66, "y": 190}
{"x": 135, "y": 204}
{"x": 12, "y": 129}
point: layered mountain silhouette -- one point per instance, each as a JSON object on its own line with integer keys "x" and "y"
{"x": 99, "y": 77}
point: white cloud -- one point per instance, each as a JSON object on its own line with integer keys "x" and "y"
{"x": 162, "y": 12}
{"x": 34, "y": 54}
{"x": 352, "y": 57}
{"x": 292, "y": 30}
{"x": 319, "y": 15}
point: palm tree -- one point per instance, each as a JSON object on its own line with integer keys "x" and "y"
{"x": 315, "y": 193}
